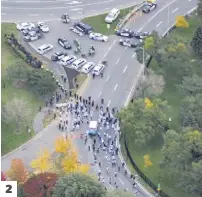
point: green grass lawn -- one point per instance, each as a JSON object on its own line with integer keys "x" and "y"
{"x": 9, "y": 139}
{"x": 154, "y": 173}
{"x": 99, "y": 24}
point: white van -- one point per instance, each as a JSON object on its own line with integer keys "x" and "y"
{"x": 98, "y": 69}
{"x": 112, "y": 16}
{"x": 78, "y": 63}
{"x": 67, "y": 60}
{"x": 44, "y": 48}
{"x": 88, "y": 67}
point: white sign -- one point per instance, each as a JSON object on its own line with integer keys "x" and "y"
{"x": 108, "y": 26}
{"x": 8, "y": 188}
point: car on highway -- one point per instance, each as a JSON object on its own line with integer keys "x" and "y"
{"x": 76, "y": 31}
{"x": 125, "y": 33}
{"x": 31, "y": 36}
{"x": 64, "y": 43}
{"x": 68, "y": 60}
{"x": 130, "y": 43}
{"x": 98, "y": 36}
{"x": 149, "y": 6}
{"x": 98, "y": 69}
{"x": 83, "y": 27}
{"x": 43, "y": 26}
{"x": 112, "y": 16}
{"x": 58, "y": 56}
{"x": 79, "y": 63}
{"x": 23, "y": 26}
{"x": 44, "y": 48}
{"x": 142, "y": 35}
{"x": 88, "y": 67}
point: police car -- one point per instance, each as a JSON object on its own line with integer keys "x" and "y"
{"x": 23, "y": 26}
{"x": 76, "y": 31}
{"x": 98, "y": 36}
{"x": 43, "y": 26}
{"x": 125, "y": 33}
{"x": 149, "y": 6}
{"x": 130, "y": 43}
{"x": 58, "y": 56}
{"x": 142, "y": 35}
{"x": 64, "y": 43}
{"x": 31, "y": 36}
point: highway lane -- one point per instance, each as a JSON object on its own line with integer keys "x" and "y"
{"x": 52, "y": 10}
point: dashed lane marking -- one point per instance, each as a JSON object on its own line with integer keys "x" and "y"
{"x": 33, "y": 15}
{"x": 121, "y": 181}
{"x": 115, "y": 87}
{"x": 108, "y": 78}
{"x": 134, "y": 54}
{"x": 109, "y": 103}
{"x": 175, "y": 10}
{"x": 99, "y": 94}
{"x": 125, "y": 69}
{"x": 76, "y": 9}
{"x": 158, "y": 24}
{"x": 117, "y": 60}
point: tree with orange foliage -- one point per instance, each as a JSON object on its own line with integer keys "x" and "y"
{"x": 17, "y": 171}
{"x": 40, "y": 185}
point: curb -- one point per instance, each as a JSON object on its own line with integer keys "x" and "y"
{"x": 84, "y": 85}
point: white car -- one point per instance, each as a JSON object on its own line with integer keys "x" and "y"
{"x": 76, "y": 31}
{"x": 79, "y": 63}
{"x": 44, "y": 48}
{"x": 88, "y": 67}
{"x": 98, "y": 36}
{"x": 98, "y": 69}
{"x": 24, "y": 26}
{"x": 112, "y": 16}
{"x": 68, "y": 60}
{"x": 43, "y": 26}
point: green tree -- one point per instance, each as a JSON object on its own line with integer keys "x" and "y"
{"x": 78, "y": 185}
{"x": 182, "y": 158}
{"x": 199, "y": 9}
{"x": 197, "y": 41}
{"x": 191, "y": 111}
{"x": 17, "y": 112}
{"x": 142, "y": 124}
{"x": 41, "y": 82}
{"x": 119, "y": 193}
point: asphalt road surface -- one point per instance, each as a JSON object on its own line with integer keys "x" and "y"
{"x": 49, "y": 10}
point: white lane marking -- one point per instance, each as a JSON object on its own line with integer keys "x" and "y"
{"x": 76, "y": 9}
{"x": 140, "y": 30}
{"x": 51, "y": 14}
{"x": 3, "y": 13}
{"x": 118, "y": 61}
{"x": 33, "y": 15}
{"x": 121, "y": 181}
{"x": 189, "y": 0}
{"x": 175, "y": 10}
{"x": 94, "y": 10}
{"x": 99, "y": 94}
{"x": 108, "y": 103}
{"x": 161, "y": 10}
{"x": 134, "y": 54}
{"x": 125, "y": 69}
{"x": 73, "y": 2}
{"x": 126, "y": 48}
{"x": 108, "y": 50}
{"x": 111, "y": 186}
{"x": 108, "y": 78}
{"x": 158, "y": 24}
{"x": 115, "y": 87}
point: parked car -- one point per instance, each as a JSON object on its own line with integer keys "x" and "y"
{"x": 58, "y": 56}
{"x": 44, "y": 48}
{"x": 112, "y": 16}
{"x": 64, "y": 43}
{"x": 98, "y": 36}
{"x": 43, "y": 26}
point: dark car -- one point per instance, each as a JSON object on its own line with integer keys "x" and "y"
{"x": 58, "y": 56}
{"x": 130, "y": 43}
{"x": 64, "y": 43}
{"x": 141, "y": 35}
{"x": 125, "y": 33}
{"x": 65, "y": 18}
{"x": 83, "y": 27}
{"x": 148, "y": 7}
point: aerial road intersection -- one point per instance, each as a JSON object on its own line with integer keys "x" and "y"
{"x": 113, "y": 70}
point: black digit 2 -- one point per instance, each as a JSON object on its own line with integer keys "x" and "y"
{"x": 8, "y": 188}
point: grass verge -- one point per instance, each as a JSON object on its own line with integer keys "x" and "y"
{"x": 99, "y": 24}
{"x": 9, "y": 139}
{"x": 155, "y": 173}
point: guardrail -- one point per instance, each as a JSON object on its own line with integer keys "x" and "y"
{"x": 140, "y": 173}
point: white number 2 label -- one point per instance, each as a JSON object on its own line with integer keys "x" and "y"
{"x": 8, "y": 188}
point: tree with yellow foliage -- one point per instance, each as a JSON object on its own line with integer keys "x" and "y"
{"x": 181, "y": 22}
{"x": 148, "y": 103}
{"x": 17, "y": 171}
{"x": 147, "y": 161}
{"x": 42, "y": 163}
